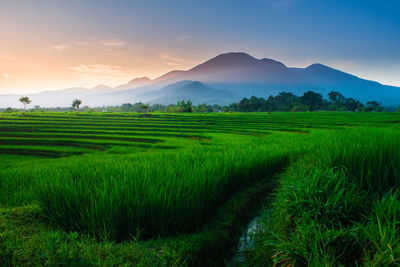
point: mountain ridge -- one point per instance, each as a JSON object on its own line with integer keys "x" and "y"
{"x": 234, "y": 73}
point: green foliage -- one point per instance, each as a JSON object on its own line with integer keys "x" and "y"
{"x": 322, "y": 213}
{"x": 383, "y": 231}
{"x": 374, "y": 106}
{"x": 25, "y": 101}
{"x": 309, "y": 101}
{"x": 184, "y": 106}
{"x": 176, "y": 189}
{"x": 76, "y": 103}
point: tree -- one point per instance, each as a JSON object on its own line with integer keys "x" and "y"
{"x": 25, "y": 101}
{"x": 351, "y": 104}
{"x": 398, "y": 109}
{"x": 311, "y": 99}
{"x": 76, "y": 103}
{"x": 336, "y": 97}
{"x": 144, "y": 107}
{"x": 284, "y": 101}
{"x": 244, "y": 104}
{"x": 185, "y": 106}
{"x": 374, "y": 106}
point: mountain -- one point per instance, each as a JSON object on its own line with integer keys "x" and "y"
{"x": 222, "y": 79}
{"x": 325, "y": 79}
{"x": 169, "y": 75}
{"x": 101, "y": 87}
{"x": 134, "y": 83}
{"x": 244, "y": 75}
{"x": 234, "y": 68}
{"x": 188, "y": 90}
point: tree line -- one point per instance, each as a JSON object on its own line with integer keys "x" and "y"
{"x": 309, "y": 101}
{"x": 284, "y": 101}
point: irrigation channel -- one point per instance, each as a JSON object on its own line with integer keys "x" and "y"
{"x": 246, "y": 241}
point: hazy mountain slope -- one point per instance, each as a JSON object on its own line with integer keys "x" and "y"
{"x": 188, "y": 90}
{"x": 327, "y": 79}
{"x": 244, "y": 75}
{"x": 137, "y": 82}
{"x": 58, "y": 98}
{"x": 235, "y": 68}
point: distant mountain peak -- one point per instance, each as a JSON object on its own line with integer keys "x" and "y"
{"x": 318, "y": 66}
{"x": 234, "y": 55}
{"x": 231, "y": 58}
{"x": 101, "y": 87}
{"x": 140, "y": 80}
{"x": 137, "y": 82}
{"x": 272, "y": 61}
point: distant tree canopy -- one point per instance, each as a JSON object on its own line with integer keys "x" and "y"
{"x": 25, "y": 101}
{"x": 185, "y": 106}
{"x": 309, "y": 101}
{"x": 76, "y": 103}
{"x": 284, "y": 101}
{"x": 374, "y": 106}
{"x": 137, "y": 107}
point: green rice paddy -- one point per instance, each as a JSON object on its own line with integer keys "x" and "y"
{"x": 178, "y": 189}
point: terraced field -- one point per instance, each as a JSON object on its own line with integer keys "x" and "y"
{"x": 152, "y": 189}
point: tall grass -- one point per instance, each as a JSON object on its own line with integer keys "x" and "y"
{"x": 151, "y": 194}
{"x": 338, "y": 205}
{"x": 372, "y": 156}
{"x": 337, "y": 202}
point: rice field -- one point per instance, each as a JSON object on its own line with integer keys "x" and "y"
{"x": 177, "y": 189}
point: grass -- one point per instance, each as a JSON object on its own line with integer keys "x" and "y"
{"x": 172, "y": 189}
{"x": 338, "y": 205}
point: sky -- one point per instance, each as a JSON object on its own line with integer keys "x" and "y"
{"x": 54, "y": 44}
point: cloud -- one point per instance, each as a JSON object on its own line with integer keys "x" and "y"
{"x": 174, "y": 60}
{"x": 113, "y": 43}
{"x": 112, "y": 70}
{"x": 7, "y": 76}
{"x": 170, "y": 59}
{"x": 172, "y": 64}
{"x": 58, "y": 47}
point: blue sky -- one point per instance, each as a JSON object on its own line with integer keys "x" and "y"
{"x": 96, "y": 41}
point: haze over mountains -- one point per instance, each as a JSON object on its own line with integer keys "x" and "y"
{"x": 223, "y": 79}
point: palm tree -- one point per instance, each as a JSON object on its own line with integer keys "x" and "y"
{"x": 25, "y": 100}
{"x": 76, "y": 103}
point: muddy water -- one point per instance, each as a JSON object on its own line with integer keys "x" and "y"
{"x": 246, "y": 241}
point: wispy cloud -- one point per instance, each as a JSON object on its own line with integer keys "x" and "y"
{"x": 8, "y": 76}
{"x": 112, "y": 70}
{"x": 113, "y": 43}
{"x": 58, "y": 47}
{"x": 173, "y": 60}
